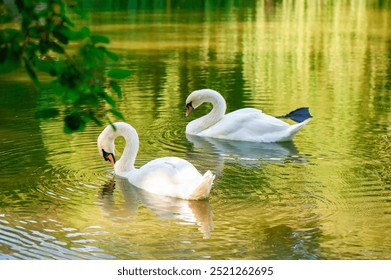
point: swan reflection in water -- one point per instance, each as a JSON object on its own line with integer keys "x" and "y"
{"x": 167, "y": 208}
{"x": 246, "y": 153}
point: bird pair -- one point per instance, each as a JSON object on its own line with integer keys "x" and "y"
{"x": 176, "y": 177}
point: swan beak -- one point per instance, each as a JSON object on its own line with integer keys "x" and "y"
{"x": 108, "y": 157}
{"x": 190, "y": 109}
{"x": 111, "y": 158}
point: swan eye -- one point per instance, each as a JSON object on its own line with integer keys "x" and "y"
{"x": 190, "y": 104}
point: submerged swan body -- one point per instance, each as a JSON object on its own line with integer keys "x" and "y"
{"x": 167, "y": 176}
{"x": 246, "y": 124}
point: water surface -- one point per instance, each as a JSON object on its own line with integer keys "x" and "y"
{"x": 327, "y": 195}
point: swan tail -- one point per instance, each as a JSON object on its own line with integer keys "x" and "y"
{"x": 203, "y": 189}
{"x": 298, "y": 115}
{"x": 293, "y": 129}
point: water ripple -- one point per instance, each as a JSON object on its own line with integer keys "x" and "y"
{"x": 22, "y": 243}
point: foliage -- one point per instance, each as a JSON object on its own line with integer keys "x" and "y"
{"x": 48, "y": 43}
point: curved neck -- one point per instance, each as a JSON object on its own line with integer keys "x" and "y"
{"x": 215, "y": 115}
{"x": 219, "y": 106}
{"x": 126, "y": 162}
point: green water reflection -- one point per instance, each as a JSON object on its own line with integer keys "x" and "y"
{"x": 325, "y": 196}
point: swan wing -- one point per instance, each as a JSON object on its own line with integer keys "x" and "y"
{"x": 248, "y": 125}
{"x": 169, "y": 176}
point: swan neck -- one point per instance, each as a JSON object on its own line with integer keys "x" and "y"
{"x": 217, "y": 112}
{"x": 126, "y": 162}
{"x": 219, "y": 107}
{"x": 214, "y": 116}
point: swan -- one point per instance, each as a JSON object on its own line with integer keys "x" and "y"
{"x": 247, "y": 124}
{"x": 167, "y": 176}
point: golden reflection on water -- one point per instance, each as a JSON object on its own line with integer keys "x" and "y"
{"x": 324, "y": 196}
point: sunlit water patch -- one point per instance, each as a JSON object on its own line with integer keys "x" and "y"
{"x": 324, "y": 196}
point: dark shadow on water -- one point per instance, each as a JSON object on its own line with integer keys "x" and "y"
{"x": 283, "y": 242}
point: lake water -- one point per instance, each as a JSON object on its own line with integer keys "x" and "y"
{"x": 326, "y": 195}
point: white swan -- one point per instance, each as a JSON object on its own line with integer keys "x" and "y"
{"x": 246, "y": 124}
{"x": 167, "y": 176}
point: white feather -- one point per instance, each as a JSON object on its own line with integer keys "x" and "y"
{"x": 246, "y": 124}
{"x": 167, "y": 176}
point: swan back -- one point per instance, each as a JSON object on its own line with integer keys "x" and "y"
{"x": 172, "y": 176}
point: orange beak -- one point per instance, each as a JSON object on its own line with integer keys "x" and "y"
{"x": 110, "y": 158}
{"x": 190, "y": 109}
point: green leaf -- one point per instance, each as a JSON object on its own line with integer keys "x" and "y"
{"x": 64, "y": 34}
{"x": 90, "y": 100}
{"x": 107, "y": 97}
{"x": 68, "y": 21}
{"x": 45, "y": 66}
{"x": 72, "y": 95}
{"x": 5, "y": 18}
{"x": 118, "y": 73}
{"x": 17, "y": 43}
{"x": 97, "y": 52}
{"x": 56, "y": 47}
{"x": 42, "y": 13}
{"x": 115, "y": 86}
{"x": 84, "y": 32}
{"x": 9, "y": 33}
{"x": 35, "y": 32}
{"x": 43, "y": 46}
{"x": 96, "y": 39}
{"x": 74, "y": 122}
{"x": 47, "y": 113}
{"x": 111, "y": 54}
{"x": 59, "y": 35}
{"x": 31, "y": 49}
{"x": 96, "y": 120}
{"x": 59, "y": 66}
{"x": 31, "y": 72}
{"x": 117, "y": 113}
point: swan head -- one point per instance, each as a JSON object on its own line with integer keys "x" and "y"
{"x": 109, "y": 157}
{"x": 106, "y": 144}
{"x": 197, "y": 97}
